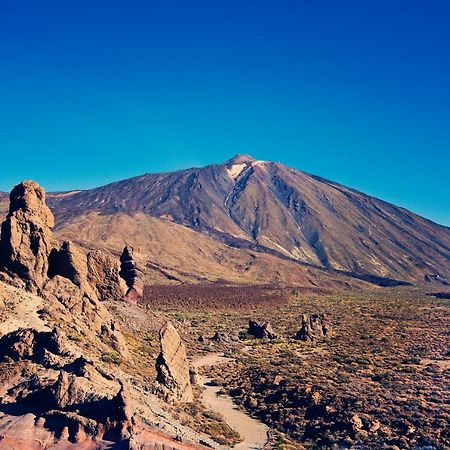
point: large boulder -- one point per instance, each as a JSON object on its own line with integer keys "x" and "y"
{"x": 172, "y": 367}
{"x": 69, "y": 262}
{"x": 131, "y": 273}
{"x": 259, "y": 331}
{"x": 313, "y": 327}
{"x": 26, "y": 239}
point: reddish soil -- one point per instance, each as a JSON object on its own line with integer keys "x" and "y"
{"x": 213, "y": 296}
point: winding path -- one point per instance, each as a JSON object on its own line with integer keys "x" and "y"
{"x": 254, "y": 434}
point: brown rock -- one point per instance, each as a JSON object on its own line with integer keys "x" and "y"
{"x": 172, "y": 367}
{"x": 194, "y": 376}
{"x": 25, "y": 242}
{"x": 81, "y": 304}
{"x": 122, "y": 408}
{"x": 103, "y": 275}
{"x": 277, "y": 379}
{"x": 356, "y": 422}
{"x": 92, "y": 316}
{"x": 132, "y": 275}
{"x": 69, "y": 262}
{"x": 313, "y": 327}
{"x": 30, "y": 344}
{"x": 374, "y": 426}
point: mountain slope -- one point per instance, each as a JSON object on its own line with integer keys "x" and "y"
{"x": 268, "y": 207}
{"x": 171, "y": 253}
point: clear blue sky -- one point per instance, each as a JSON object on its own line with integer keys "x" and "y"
{"x": 354, "y": 91}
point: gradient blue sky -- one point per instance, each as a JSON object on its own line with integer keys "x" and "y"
{"x": 354, "y": 91}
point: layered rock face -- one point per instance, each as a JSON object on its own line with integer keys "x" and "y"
{"x": 132, "y": 275}
{"x": 259, "y": 331}
{"x": 313, "y": 327}
{"x": 172, "y": 366}
{"x": 26, "y": 239}
{"x": 103, "y": 275}
{"x": 69, "y": 262}
{"x": 80, "y": 404}
{"x": 96, "y": 274}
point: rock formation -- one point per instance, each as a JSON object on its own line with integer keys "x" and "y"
{"x": 26, "y": 240}
{"x": 96, "y": 274}
{"x": 69, "y": 262}
{"x": 132, "y": 275}
{"x": 435, "y": 278}
{"x": 59, "y": 275}
{"x": 58, "y": 390}
{"x": 259, "y": 331}
{"x": 172, "y": 367}
{"x": 103, "y": 275}
{"x": 30, "y": 344}
{"x": 314, "y": 326}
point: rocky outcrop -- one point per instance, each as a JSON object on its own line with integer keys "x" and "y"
{"x": 69, "y": 262}
{"x": 259, "y": 331}
{"x": 172, "y": 366}
{"x": 57, "y": 388}
{"x": 26, "y": 239}
{"x": 435, "y": 278}
{"x": 132, "y": 275}
{"x": 31, "y": 344}
{"x": 313, "y": 327}
{"x": 103, "y": 275}
{"x": 93, "y": 319}
{"x": 28, "y": 256}
{"x": 96, "y": 274}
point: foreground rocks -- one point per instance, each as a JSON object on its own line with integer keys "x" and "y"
{"x": 172, "y": 366}
{"x": 313, "y": 327}
{"x": 62, "y": 353}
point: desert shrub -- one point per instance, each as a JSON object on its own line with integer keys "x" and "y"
{"x": 112, "y": 357}
{"x": 74, "y": 336}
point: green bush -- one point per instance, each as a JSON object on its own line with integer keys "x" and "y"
{"x": 112, "y": 357}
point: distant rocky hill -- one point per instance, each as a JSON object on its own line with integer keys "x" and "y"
{"x": 267, "y": 207}
{"x": 253, "y": 221}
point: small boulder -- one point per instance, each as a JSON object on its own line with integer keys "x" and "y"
{"x": 313, "y": 327}
{"x": 259, "y": 331}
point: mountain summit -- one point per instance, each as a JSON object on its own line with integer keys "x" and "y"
{"x": 270, "y": 208}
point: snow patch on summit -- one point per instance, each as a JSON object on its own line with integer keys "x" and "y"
{"x": 235, "y": 170}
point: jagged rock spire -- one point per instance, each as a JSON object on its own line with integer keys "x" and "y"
{"x": 26, "y": 238}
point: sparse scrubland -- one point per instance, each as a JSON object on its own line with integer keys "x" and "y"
{"x": 380, "y": 380}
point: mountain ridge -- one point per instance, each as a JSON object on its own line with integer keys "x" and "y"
{"x": 265, "y": 206}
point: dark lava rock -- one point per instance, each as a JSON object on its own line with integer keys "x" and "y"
{"x": 259, "y": 331}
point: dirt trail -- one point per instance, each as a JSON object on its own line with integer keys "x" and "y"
{"x": 253, "y": 432}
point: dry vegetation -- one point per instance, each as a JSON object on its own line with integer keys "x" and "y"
{"x": 380, "y": 381}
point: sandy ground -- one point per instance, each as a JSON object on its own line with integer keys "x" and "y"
{"x": 19, "y": 310}
{"x": 253, "y": 432}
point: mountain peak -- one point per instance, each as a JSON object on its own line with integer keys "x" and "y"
{"x": 240, "y": 159}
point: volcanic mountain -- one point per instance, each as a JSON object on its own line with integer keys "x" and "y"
{"x": 199, "y": 221}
